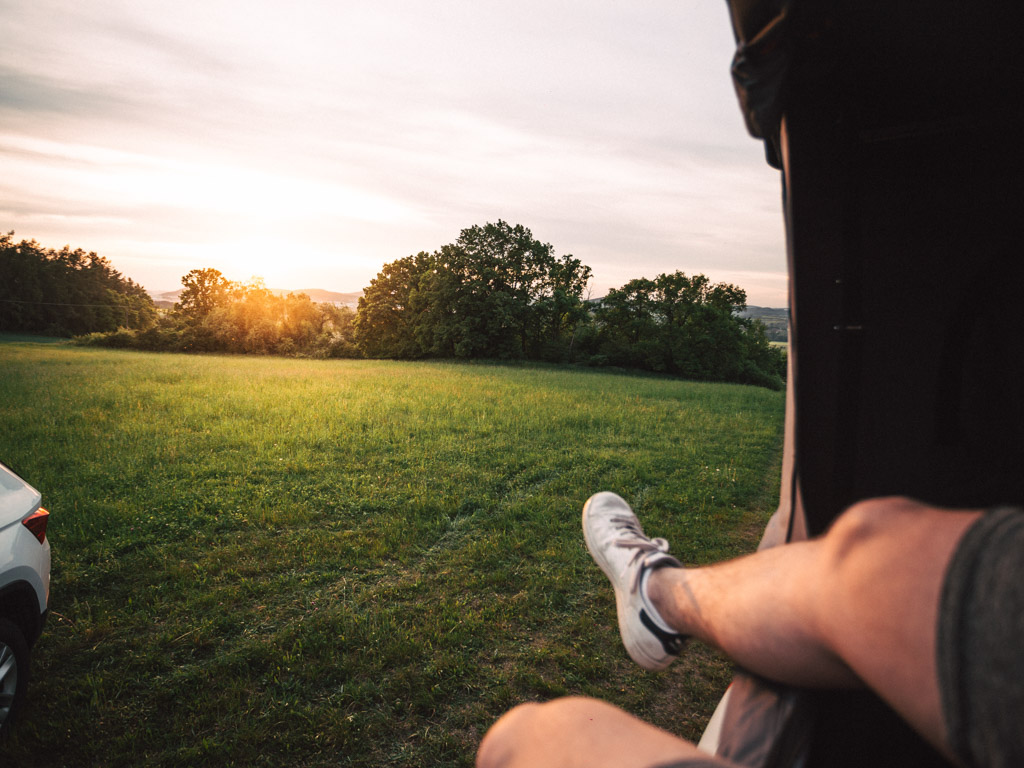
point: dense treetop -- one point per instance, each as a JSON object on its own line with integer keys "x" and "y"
{"x": 496, "y": 292}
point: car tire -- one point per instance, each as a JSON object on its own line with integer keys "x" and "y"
{"x": 14, "y": 657}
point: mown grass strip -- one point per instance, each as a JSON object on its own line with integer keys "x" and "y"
{"x": 349, "y": 562}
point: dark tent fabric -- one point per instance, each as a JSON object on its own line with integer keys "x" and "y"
{"x": 897, "y": 126}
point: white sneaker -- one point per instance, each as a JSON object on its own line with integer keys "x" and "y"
{"x": 618, "y": 544}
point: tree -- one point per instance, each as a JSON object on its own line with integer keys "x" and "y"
{"x": 504, "y": 271}
{"x": 495, "y": 292}
{"x": 686, "y": 326}
{"x": 560, "y": 308}
{"x": 204, "y": 290}
{"x": 387, "y": 314}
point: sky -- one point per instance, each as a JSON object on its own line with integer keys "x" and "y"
{"x": 313, "y": 141}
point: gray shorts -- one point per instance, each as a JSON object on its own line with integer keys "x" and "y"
{"x": 981, "y": 643}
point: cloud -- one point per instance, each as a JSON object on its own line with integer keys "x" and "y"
{"x": 38, "y": 97}
{"x": 373, "y": 129}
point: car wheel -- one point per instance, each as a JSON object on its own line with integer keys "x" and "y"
{"x": 13, "y": 673}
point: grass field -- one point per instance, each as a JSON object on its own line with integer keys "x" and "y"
{"x": 307, "y": 563}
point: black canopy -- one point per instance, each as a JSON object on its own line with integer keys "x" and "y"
{"x": 896, "y": 125}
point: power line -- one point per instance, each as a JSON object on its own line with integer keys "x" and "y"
{"x": 59, "y": 304}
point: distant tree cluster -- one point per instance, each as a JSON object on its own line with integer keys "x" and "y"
{"x": 214, "y": 314}
{"x": 499, "y": 293}
{"x": 66, "y": 292}
{"x": 686, "y": 326}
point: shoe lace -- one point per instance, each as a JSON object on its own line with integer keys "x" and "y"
{"x": 635, "y": 538}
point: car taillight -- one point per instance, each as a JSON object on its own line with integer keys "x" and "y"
{"x": 36, "y": 523}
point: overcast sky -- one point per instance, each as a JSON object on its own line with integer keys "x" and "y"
{"x": 312, "y": 141}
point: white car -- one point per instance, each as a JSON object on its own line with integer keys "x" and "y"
{"x": 24, "y": 587}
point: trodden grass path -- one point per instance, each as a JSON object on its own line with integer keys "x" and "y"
{"x": 281, "y": 562}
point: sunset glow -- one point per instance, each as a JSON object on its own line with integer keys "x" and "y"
{"x": 310, "y": 145}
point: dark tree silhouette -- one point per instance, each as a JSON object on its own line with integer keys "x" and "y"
{"x": 66, "y": 292}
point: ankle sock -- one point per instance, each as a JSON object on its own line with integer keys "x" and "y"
{"x": 648, "y": 605}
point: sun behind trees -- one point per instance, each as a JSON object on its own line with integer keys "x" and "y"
{"x": 214, "y": 314}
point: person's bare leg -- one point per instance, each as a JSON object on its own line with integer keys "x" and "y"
{"x": 859, "y": 605}
{"x": 579, "y": 733}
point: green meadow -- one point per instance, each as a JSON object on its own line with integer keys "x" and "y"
{"x": 266, "y": 561}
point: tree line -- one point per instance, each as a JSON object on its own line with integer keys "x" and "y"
{"x": 496, "y": 292}
{"x": 66, "y": 292}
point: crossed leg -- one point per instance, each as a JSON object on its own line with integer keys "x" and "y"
{"x": 858, "y": 606}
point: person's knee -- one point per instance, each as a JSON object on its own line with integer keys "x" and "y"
{"x": 865, "y": 522}
{"x": 577, "y": 731}
{"x": 531, "y": 727}
{"x": 500, "y": 740}
{"x": 857, "y": 551}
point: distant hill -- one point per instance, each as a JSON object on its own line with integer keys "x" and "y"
{"x": 164, "y": 296}
{"x": 168, "y": 298}
{"x": 331, "y": 297}
{"x": 775, "y": 321}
